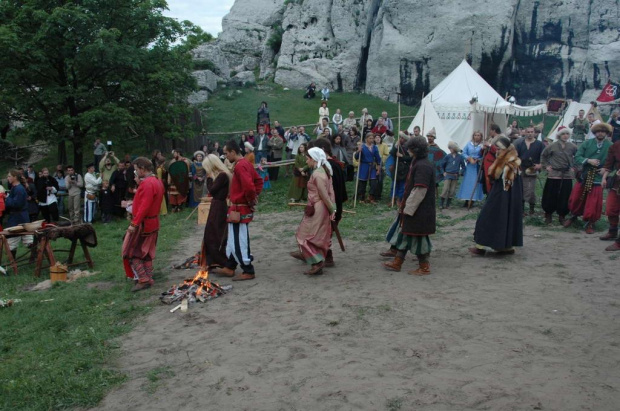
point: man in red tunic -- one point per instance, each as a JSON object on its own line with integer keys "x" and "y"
{"x": 141, "y": 238}
{"x": 245, "y": 187}
{"x": 613, "y": 197}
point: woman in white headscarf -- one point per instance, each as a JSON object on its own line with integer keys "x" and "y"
{"x": 315, "y": 231}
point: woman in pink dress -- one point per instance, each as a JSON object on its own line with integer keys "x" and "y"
{"x": 314, "y": 235}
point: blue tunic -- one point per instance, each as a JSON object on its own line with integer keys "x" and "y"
{"x": 17, "y": 206}
{"x": 368, "y": 158}
{"x": 470, "y": 180}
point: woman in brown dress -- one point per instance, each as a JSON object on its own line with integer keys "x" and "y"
{"x": 213, "y": 252}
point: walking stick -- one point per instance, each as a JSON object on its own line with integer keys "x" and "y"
{"x": 357, "y": 178}
{"x": 397, "y": 151}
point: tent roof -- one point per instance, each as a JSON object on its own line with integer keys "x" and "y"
{"x": 426, "y": 119}
{"x": 464, "y": 84}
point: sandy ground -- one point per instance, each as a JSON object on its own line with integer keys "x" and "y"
{"x": 535, "y": 331}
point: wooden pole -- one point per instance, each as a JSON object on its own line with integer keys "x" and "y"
{"x": 397, "y": 150}
{"x": 357, "y": 176}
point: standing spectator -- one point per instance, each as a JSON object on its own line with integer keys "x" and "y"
{"x": 350, "y": 144}
{"x": 614, "y": 121}
{"x": 529, "y": 150}
{"x": 108, "y": 165}
{"x": 119, "y": 183}
{"x": 323, "y": 112}
{"x": 178, "y": 180}
{"x": 262, "y": 118}
{"x": 99, "y": 149}
{"x": 30, "y": 173}
{"x": 278, "y": 126}
{"x": 47, "y": 187}
{"x": 74, "y": 183}
{"x": 310, "y": 91}
{"x": 261, "y": 145}
{"x": 558, "y": 160}
{"x": 17, "y": 209}
{"x": 323, "y": 128}
{"x": 276, "y": 143}
{"x": 59, "y": 175}
{"x": 452, "y": 166}
{"x": 473, "y": 155}
{"x": 435, "y": 156}
{"x": 592, "y": 121}
{"x": 140, "y": 241}
{"x": 242, "y": 141}
{"x": 404, "y": 161}
{"x": 33, "y": 206}
{"x": 369, "y": 168}
{"x": 217, "y": 150}
{"x": 367, "y": 128}
{"x": 298, "y": 139}
{"x": 337, "y": 119}
{"x": 249, "y": 152}
{"x": 92, "y": 185}
{"x": 245, "y": 188}
{"x": 349, "y": 122}
{"x": 251, "y": 136}
{"x": 106, "y": 202}
{"x": 613, "y": 196}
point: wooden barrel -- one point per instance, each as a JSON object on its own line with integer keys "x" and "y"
{"x": 58, "y": 272}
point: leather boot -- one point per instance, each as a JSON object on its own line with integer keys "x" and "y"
{"x": 448, "y": 203}
{"x": 329, "y": 259}
{"x": 225, "y": 272}
{"x": 589, "y": 228}
{"x": 569, "y": 222}
{"x": 371, "y": 200}
{"x": 316, "y": 269}
{"x": 614, "y": 247}
{"x": 391, "y": 253}
{"x": 297, "y": 255}
{"x": 548, "y": 219}
{"x": 423, "y": 269}
{"x": 394, "y": 265}
{"x": 442, "y": 203}
{"x": 562, "y": 219}
{"x": 611, "y": 235}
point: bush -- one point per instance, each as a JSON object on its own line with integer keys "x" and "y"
{"x": 275, "y": 40}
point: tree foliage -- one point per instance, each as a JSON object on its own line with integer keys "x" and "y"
{"x": 81, "y": 69}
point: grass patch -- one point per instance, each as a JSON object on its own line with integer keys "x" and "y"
{"x": 56, "y": 354}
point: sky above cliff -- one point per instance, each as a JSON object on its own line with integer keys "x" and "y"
{"x": 204, "y": 13}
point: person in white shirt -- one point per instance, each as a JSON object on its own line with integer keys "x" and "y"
{"x": 325, "y": 93}
{"x": 387, "y": 121}
{"x": 365, "y": 117}
{"x": 337, "y": 118}
{"x": 349, "y": 122}
{"x": 298, "y": 139}
{"x": 92, "y": 185}
{"x": 593, "y": 121}
{"x": 323, "y": 127}
{"x": 323, "y": 111}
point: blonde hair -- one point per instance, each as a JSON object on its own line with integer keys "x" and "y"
{"x": 213, "y": 165}
{"x": 477, "y": 132}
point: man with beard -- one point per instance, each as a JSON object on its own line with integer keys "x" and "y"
{"x": 580, "y": 126}
{"x": 416, "y": 220}
{"x": 586, "y": 199}
{"x": 178, "y": 180}
{"x": 557, "y": 159}
{"x": 530, "y": 150}
{"x": 245, "y": 187}
{"x": 500, "y": 222}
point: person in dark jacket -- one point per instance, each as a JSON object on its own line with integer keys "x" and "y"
{"x": 47, "y": 187}
{"x": 106, "y": 202}
{"x": 416, "y": 220}
{"x": 500, "y": 222}
{"x": 16, "y": 205}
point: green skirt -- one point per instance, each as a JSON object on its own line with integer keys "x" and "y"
{"x": 417, "y": 245}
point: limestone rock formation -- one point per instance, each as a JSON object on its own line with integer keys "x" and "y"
{"x": 243, "y": 78}
{"x": 528, "y": 48}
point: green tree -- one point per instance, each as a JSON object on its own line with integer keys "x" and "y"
{"x": 74, "y": 70}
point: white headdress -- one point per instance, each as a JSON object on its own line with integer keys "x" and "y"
{"x": 319, "y": 156}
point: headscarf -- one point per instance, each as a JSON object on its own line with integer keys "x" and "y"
{"x": 319, "y": 156}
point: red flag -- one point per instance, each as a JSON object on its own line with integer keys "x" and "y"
{"x": 611, "y": 92}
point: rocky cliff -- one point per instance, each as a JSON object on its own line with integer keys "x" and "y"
{"x": 526, "y": 48}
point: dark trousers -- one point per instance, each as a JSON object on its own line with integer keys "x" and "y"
{"x": 274, "y": 171}
{"x": 361, "y": 189}
{"x": 555, "y": 196}
{"x": 49, "y": 212}
{"x": 97, "y": 160}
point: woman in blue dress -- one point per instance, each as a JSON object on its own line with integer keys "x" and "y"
{"x": 473, "y": 156}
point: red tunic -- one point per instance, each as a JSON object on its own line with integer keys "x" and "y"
{"x": 142, "y": 243}
{"x": 488, "y": 160}
{"x": 245, "y": 187}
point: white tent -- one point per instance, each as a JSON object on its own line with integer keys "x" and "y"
{"x": 570, "y": 113}
{"x": 462, "y": 103}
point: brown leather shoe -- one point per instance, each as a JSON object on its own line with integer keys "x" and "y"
{"x": 548, "y": 219}
{"x": 569, "y": 222}
{"x": 424, "y": 269}
{"x": 140, "y": 287}
{"x": 391, "y": 253}
{"x": 477, "y": 251}
{"x": 224, "y": 272}
{"x": 316, "y": 269}
{"x": 297, "y": 255}
{"x": 610, "y": 236}
{"x": 614, "y": 247}
{"x": 590, "y": 229}
{"x": 394, "y": 265}
{"x": 243, "y": 277}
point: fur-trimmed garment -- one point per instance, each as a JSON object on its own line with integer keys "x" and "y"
{"x": 506, "y": 167}
{"x": 500, "y": 222}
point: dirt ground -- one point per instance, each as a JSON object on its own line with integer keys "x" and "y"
{"x": 535, "y": 331}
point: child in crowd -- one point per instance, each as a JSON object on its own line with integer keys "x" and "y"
{"x": 106, "y": 202}
{"x": 452, "y": 166}
{"x": 264, "y": 174}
